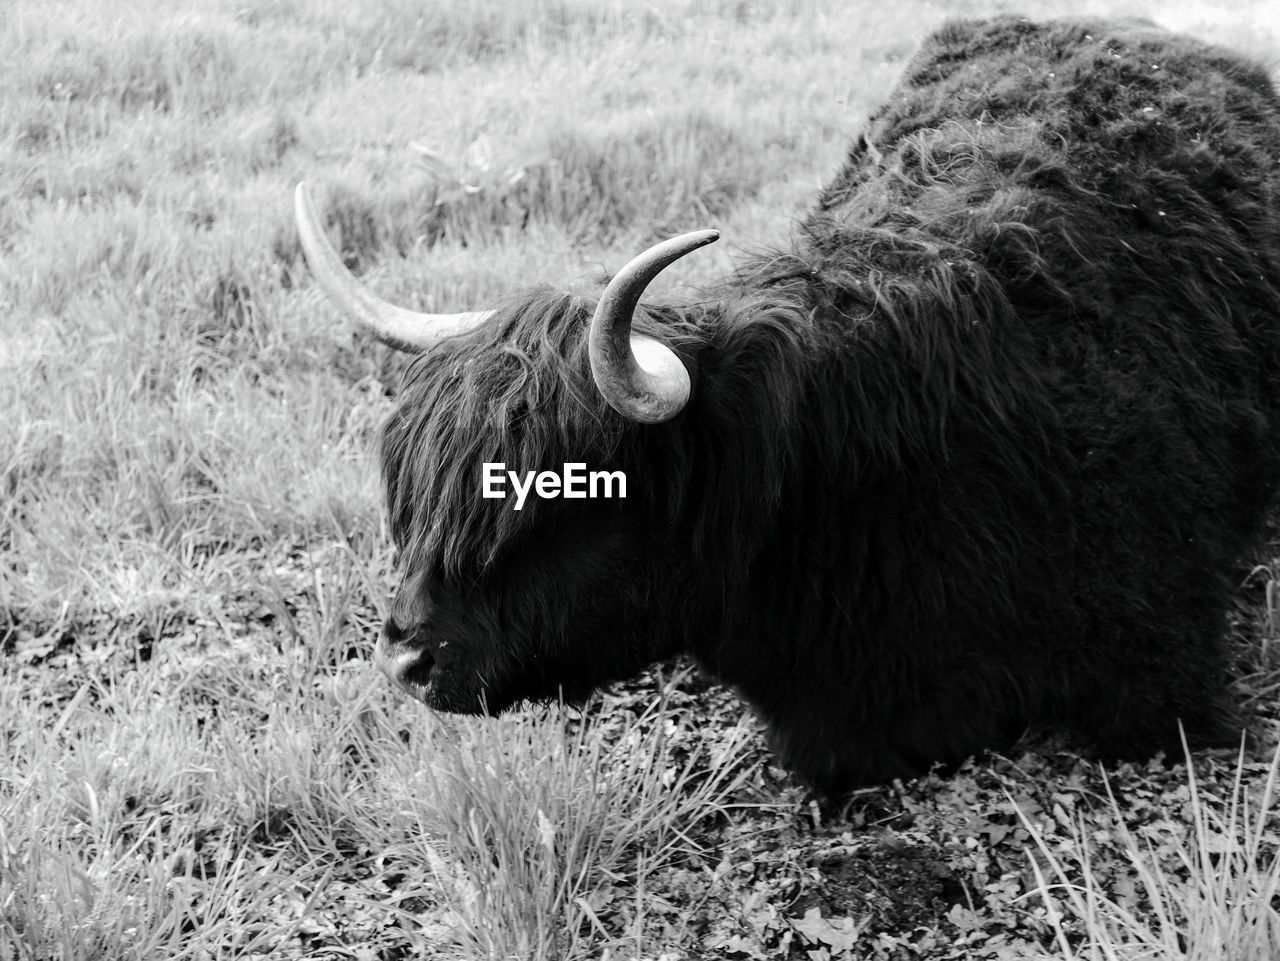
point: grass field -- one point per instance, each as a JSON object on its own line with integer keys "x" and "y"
{"x": 197, "y": 761}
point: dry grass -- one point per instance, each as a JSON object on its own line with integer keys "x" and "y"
{"x": 1202, "y": 885}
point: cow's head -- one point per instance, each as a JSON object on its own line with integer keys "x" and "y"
{"x": 497, "y": 605}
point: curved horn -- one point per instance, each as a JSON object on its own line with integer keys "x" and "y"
{"x": 396, "y": 327}
{"x": 641, "y": 378}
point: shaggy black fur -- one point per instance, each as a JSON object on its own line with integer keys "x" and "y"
{"x": 981, "y": 452}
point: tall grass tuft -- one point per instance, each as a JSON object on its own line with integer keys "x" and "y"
{"x": 534, "y": 837}
{"x": 1204, "y": 892}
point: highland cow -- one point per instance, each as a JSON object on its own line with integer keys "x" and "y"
{"x": 981, "y": 452}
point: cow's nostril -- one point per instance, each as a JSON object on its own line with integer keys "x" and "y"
{"x": 405, "y": 663}
{"x": 419, "y": 670}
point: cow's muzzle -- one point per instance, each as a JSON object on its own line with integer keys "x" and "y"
{"x": 408, "y": 667}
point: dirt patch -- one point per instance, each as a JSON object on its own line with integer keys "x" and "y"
{"x": 891, "y": 885}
